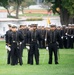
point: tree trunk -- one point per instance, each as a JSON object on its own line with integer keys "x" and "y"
{"x": 22, "y": 9}
{"x": 17, "y": 10}
{"x": 9, "y": 14}
{"x": 64, "y": 16}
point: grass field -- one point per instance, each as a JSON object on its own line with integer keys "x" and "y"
{"x": 36, "y": 15}
{"x": 65, "y": 66}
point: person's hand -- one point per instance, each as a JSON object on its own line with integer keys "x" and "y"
{"x": 27, "y": 47}
{"x": 47, "y": 48}
{"x": 8, "y": 48}
{"x": 62, "y": 37}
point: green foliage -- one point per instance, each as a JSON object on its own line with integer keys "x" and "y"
{"x": 36, "y": 15}
{"x": 65, "y": 4}
{"x": 69, "y": 5}
{"x": 4, "y": 3}
{"x": 50, "y": 1}
{"x": 16, "y": 1}
{"x": 26, "y": 3}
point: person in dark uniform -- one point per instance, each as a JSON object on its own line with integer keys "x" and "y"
{"x": 14, "y": 40}
{"x": 60, "y": 39}
{"x": 7, "y": 43}
{"x": 71, "y": 36}
{"x": 52, "y": 37}
{"x": 28, "y": 42}
{"x": 23, "y": 29}
{"x": 34, "y": 37}
{"x": 40, "y": 41}
{"x": 43, "y": 33}
{"x": 64, "y": 36}
{"x": 47, "y": 29}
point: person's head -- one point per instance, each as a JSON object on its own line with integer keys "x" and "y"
{"x": 58, "y": 28}
{"x": 10, "y": 27}
{"x": 52, "y": 27}
{"x": 21, "y": 27}
{"x": 14, "y": 28}
{"x": 39, "y": 27}
{"x": 63, "y": 27}
{"x": 72, "y": 26}
{"x": 43, "y": 27}
{"x": 29, "y": 27}
{"x": 24, "y": 26}
{"x": 34, "y": 26}
{"x": 47, "y": 28}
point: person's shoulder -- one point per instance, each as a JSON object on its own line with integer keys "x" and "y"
{"x": 48, "y": 31}
{"x": 19, "y": 31}
{"x": 7, "y": 31}
{"x": 38, "y": 31}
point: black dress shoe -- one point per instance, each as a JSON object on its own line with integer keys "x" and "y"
{"x": 49, "y": 63}
{"x": 31, "y": 64}
{"x": 21, "y": 64}
{"x": 56, "y": 63}
{"x": 28, "y": 63}
{"x": 12, "y": 64}
{"x": 37, "y": 63}
{"x": 8, "y": 63}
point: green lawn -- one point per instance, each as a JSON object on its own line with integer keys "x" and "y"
{"x": 65, "y": 66}
{"x": 33, "y": 15}
{"x": 36, "y": 15}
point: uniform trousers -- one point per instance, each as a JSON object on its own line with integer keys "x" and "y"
{"x": 34, "y": 52}
{"x": 53, "y": 49}
{"x": 16, "y": 55}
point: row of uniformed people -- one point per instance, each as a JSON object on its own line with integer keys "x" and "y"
{"x": 17, "y": 39}
{"x": 34, "y": 37}
{"x": 51, "y": 37}
{"x": 66, "y": 38}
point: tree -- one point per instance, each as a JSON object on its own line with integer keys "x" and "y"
{"x": 22, "y": 3}
{"x": 27, "y": 3}
{"x": 64, "y": 8}
{"x": 5, "y": 4}
{"x": 69, "y": 5}
{"x": 18, "y": 4}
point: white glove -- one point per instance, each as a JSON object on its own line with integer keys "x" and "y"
{"x": 66, "y": 38}
{"x": 47, "y": 48}
{"x": 45, "y": 39}
{"x": 66, "y": 33}
{"x": 20, "y": 43}
{"x": 71, "y": 36}
{"x": 62, "y": 37}
{"x": 8, "y": 48}
{"x": 27, "y": 47}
